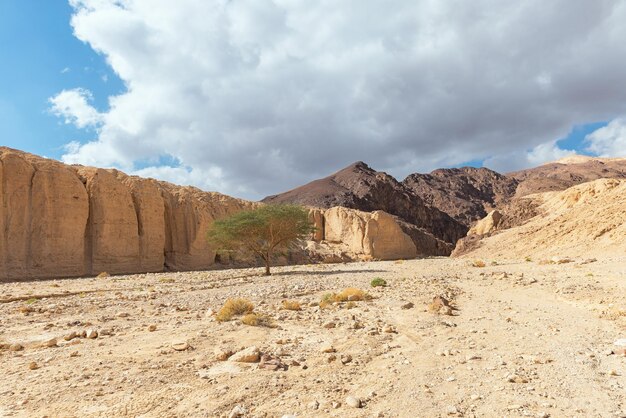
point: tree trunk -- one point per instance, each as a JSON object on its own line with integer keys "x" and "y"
{"x": 267, "y": 268}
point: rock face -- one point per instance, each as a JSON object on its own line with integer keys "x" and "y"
{"x": 466, "y": 193}
{"x": 360, "y": 187}
{"x": 58, "y": 220}
{"x": 486, "y": 225}
{"x": 369, "y": 235}
{"x": 585, "y": 220}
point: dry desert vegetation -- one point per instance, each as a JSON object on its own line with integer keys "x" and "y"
{"x": 444, "y": 337}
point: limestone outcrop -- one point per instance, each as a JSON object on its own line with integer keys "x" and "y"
{"x": 58, "y": 220}
{"x": 350, "y": 234}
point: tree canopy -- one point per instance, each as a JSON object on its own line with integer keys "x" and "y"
{"x": 261, "y": 231}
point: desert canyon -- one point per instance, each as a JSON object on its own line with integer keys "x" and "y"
{"x": 504, "y": 295}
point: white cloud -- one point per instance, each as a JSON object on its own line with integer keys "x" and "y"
{"x": 610, "y": 140}
{"x": 517, "y": 160}
{"x": 73, "y": 106}
{"x": 272, "y": 93}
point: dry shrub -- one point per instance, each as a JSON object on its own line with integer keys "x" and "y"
{"x": 352, "y": 294}
{"x": 291, "y": 305}
{"x": 350, "y": 305}
{"x": 234, "y": 307}
{"x": 478, "y": 263}
{"x": 327, "y": 300}
{"x": 256, "y": 320}
{"x": 103, "y": 275}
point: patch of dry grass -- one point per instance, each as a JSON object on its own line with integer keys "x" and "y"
{"x": 350, "y": 294}
{"x": 291, "y": 305}
{"x": 256, "y": 320}
{"x": 478, "y": 263}
{"x": 234, "y": 307}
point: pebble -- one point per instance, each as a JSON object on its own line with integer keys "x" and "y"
{"x": 353, "y": 402}
{"x": 70, "y": 336}
{"x": 329, "y": 325}
{"x": 152, "y": 328}
{"x": 16, "y": 347}
{"x": 33, "y": 366}
{"x": 407, "y": 305}
{"x": 328, "y": 349}
{"x": 313, "y": 405}
{"x": 452, "y": 410}
{"x": 92, "y": 334}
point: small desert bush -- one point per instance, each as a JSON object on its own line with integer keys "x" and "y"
{"x": 234, "y": 307}
{"x": 378, "y": 282}
{"x": 327, "y": 300}
{"x": 528, "y": 259}
{"x": 256, "y": 320}
{"x": 352, "y": 294}
{"x": 291, "y": 305}
{"x": 478, "y": 263}
{"x": 31, "y": 301}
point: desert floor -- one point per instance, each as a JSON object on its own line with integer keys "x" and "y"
{"x": 526, "y": 340}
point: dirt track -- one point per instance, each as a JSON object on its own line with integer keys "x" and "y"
{"x": 526, "y": 340}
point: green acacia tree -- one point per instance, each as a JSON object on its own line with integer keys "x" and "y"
{"x": 261, "y": 231}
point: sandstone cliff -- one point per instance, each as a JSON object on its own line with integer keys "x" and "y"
{"x": 59, "y": 220}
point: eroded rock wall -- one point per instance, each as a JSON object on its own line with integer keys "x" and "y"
{"x": 64, "y": 221}
{"x": 344, "y": 234}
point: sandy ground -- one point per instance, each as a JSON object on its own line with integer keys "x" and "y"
{"x": 526, "y": 340}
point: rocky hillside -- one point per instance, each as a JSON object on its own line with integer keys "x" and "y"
{"x": 360, "y": 187}
{"x": 467, "y": 194}
{"x": 567, "y": 172}
{"x": 585, "y": 220}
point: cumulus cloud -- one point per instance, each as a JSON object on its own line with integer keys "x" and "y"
{"x": 517, "y": 160}
{"x": 73, "y": 106}
{"x": 252, "y": 97}
{"x": 610, "y": 140}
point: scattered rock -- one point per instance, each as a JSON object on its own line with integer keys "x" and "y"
{"x": 329, "y": 349}
{"x": 407, "y": 305}
{"x": 52, "y": 342}
{"x": 222, "y": 354}
{"x": 16, "y": 347}
{"x": 92, "y": 334}
{"x": 271, "y": 363}
{"x": 33, "y": 366}
{"x": 70, "y": 336}
{"x": 353, "y": 402}
{"x": 181, "y": 346}
{"x": 346, "y": 358}
{"x": 248, "y": 355}
{"x": 152, "y": 328}
{"x": 237, "y": 411}
{"x": 513, "y": 378}
{"x": 329, "y": 324}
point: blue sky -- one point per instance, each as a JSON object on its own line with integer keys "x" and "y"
{"x": 41, "y": 57}
{"x": 252, "y": 98}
